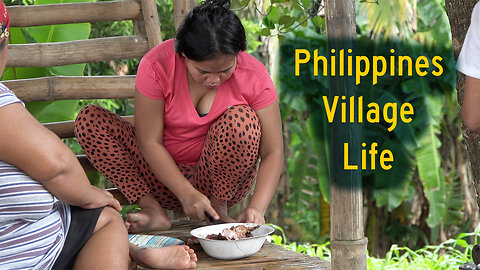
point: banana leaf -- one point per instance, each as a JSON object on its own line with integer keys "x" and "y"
{"x": 49, "y": 111}
{"x": 392, "y": 187}
{"x": 429, "y": 162}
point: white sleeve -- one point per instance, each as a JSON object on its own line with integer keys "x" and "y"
{"x": 7, "y": 96}
{"x": 468, "y": 61}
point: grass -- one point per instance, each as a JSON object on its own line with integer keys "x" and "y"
{"x": 445, "y": 256}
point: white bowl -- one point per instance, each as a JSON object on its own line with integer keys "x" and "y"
{"x": 231, "y": 249}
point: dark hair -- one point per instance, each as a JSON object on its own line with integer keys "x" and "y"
{"x": 209, "y": 30}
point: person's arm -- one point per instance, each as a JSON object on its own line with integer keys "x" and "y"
{"x": 471, "y": 101}
{"x": 149, "y": 124}
{"x": 27, "y": 145}
{"x": 271, "y": 153}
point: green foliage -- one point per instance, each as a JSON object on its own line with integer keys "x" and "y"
{"x": 279, "y": 17}
{"x": 388, "y": 18}
{"x": 253, "y": 42}
{"x": 429, "y": 164}
{"x": 448, "y": 255}
{"x": 318, "y": 128}
{"x": 425, "y": 20}
{"x": 132, "y": 208}
{"x": 304, "y": 184}
{"x": 432, "y": 13}
{"x": 386, "y": 192}
{"x": 315, "y": 250}
{"x": 442, "y": 257}
{"x": 52, "y": 111}
{"x": 109, "y": 29}
{"x": 165, "y": 14}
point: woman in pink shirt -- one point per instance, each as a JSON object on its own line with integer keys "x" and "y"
{"x": 206, "y": 112}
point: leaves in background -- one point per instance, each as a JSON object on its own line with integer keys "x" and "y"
{"x": 392, "y": 187}
{"x": 389, "y": 19}
{"x": 429, "y": 162}
{"x": 319, "y": 134}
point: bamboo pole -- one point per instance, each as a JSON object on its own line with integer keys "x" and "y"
{"x": 152, "y": 24}
{"x": 348, "y": 243}
{"x": 34, "y": 15}
{"x": 180, "y": 10}
{"x": 64, "y": 129}
{"x": 75, "y": 52}
{"x": 74, "y": 87}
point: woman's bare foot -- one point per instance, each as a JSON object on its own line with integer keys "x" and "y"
{"x": 173, "y": 257}
{"x": 151, "y": 217}
{"x": 221, "y": 208}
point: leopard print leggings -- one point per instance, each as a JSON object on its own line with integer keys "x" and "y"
{"x": 226, "y": 169}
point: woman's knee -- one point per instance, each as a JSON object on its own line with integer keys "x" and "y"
{"x": 89, "y": 111}
{"x": 111, "y": 218}
{"x": 85, "y": 119}
{"x": 241, "y": 121}
{"x": 239, "y": 111}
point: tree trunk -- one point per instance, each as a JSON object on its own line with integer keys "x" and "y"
{"x": 459, "y": 14}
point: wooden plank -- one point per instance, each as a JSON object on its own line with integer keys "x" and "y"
{"x": 65, "y": 129}
{"x": 152, "y": 24}
{"x": 34, "y": 15}
{"x": 76, "y": 52}
{"x": 270, "y": 256}
{"x": 72, "y": 87}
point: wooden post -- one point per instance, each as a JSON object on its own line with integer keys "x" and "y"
{"x": 348, "y": 243}
{"x": 152, "y": 24}
{"x": 180, "y": 9}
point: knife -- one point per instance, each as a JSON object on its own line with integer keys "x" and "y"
{"x": 212, "y": 220}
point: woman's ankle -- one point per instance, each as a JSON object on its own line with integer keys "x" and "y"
{"x": 148, "y": 201}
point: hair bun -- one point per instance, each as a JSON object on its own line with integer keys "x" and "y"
{"x": 218, "y": 3}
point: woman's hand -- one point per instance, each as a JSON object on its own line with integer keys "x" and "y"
{"x": 251, "y": 215}
{"x": 101, "y": 198}
{"x": 195, "y": 204}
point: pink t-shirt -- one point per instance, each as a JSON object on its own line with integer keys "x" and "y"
{"x": 162, "y": 75}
